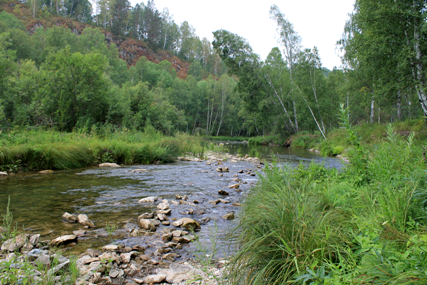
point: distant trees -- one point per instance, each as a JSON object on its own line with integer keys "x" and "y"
{"x": 384, "y": 46}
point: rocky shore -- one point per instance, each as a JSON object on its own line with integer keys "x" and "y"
{"x": 155, "y": 250}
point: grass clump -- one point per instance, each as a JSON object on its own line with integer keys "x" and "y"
{"x": 364, "y": 225}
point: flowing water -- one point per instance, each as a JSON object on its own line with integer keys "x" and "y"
{"x": 110, "y": 195}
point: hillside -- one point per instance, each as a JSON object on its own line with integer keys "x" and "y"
{"x": 129, "y": 49}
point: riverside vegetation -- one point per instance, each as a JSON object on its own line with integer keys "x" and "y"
{"x": 41, "y": 149}
{"x": 364, "y": 225}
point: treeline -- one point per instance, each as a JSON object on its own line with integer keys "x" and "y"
{"x": 58, "y": 79}
{"x": 381, "y": 82}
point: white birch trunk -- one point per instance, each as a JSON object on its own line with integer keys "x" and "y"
{"x": 372, "y": 110}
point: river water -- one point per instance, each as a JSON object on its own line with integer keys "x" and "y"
{"x": 110, "y": 195}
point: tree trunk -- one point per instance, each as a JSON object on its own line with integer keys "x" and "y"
{"x": 372, "y": 110}
{"x": 399, "y": 105}
{"x": 295, "y": 115}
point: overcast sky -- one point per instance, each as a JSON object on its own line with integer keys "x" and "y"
{"x": 319, "y": 23}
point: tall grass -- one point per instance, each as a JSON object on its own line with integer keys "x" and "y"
{"x": 364, "y": 225}
{"x": 40, "y": 149}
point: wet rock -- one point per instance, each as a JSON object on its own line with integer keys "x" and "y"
{"x": 148, "y": 200}
{"x": 79, "y": 233}
{"x": 164, "y": 212}
{"x": 177, "y": 223}
{"x": 205, "y": 220}
{"x": 181, "y": 240}
{"x": 170, "y": 256}
{"x": 34, "y": 239}
{"x": 234, "y": 186}
{"x": 178, "y": 197}
{"x": 146, "y": 216}
{"x": 214, "y": 202}
{"x": 167, "y": 237}
{"x": 163, "y": 250}
{"x": 84, "y": 220}
{"x": 134, "y": 233}
{"x": 252, "y": 174}
{"x": 145, "y": 257}
{"x": 222, "y": 169}
{"x": 154, "y": 279}
{"x": 166, "y": 223}
{"x": 183, "y": 202}
{"x": 175, "y": 203}
{"x": 139, "y": 170}
{"x": 221, "y": 175}
{"x": 162, "y": 217}
{"x": 241, "y": 171}
{"x": 176, "y": 233}
{"x": 222, "y": 192}
{"x": 138, "y": 248}
{"x": 164, "y": 205}
{"x": 126, "y": 257}
{"x": 110, "y": 256}
{"x": 109, "y": 165}
{"x": 204, "y": 171}
{"x": 69, "y": 218}
{"x": 111, "y": 247}
{"x": 147, "y": 225}
{"x": 224, "y": 201}
{"x": 62, "y": 240}
{"x": 236, "y": 204}
{"x": 46, "y": 171}
{"x": 229, "y": 216}
{"x": 190, "y": 224}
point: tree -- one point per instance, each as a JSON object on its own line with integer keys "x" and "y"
{"x": 74, "y": 87}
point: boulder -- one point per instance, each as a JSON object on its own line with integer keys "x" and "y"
{"x": 148, "y": 200}
{"x": 189, "y": 224}
{"x": 3, "y": 173}
{"x": 84, "y": 220}
{"x": 69, "y": 218}
{"x": 222, "y": 192}
{"x": 15, "y": 243}
{"x": 63, "y": 240}
{"x": 147, "y": 225}
{"x": 164, "y": 205}
{"x": 109, "y": 165}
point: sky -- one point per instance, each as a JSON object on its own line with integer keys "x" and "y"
{"x": 318, "y": 23}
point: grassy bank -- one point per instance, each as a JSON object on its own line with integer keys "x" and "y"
{"x": 369, "y": 135}
{"x": 225, "y": 138}
{"x": 39, "y": 149}
{"x": 366, "y": 225}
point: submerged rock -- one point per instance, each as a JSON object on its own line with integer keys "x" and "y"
{"x": 139, "y": 170}
{"x": 222, "y": 169}
{"x": 234, "y": 186}
{"x": 46, "y": 171}
{"x": 229, "y": 216}
{"x": 148, "y": 200}
{"x": 69, "y": 218}
{"x": 108, "y": 165}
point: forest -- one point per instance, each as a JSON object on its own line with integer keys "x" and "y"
{"x": 227, "y": 89}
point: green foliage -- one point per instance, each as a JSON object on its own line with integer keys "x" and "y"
{"x": 364, "y": 225}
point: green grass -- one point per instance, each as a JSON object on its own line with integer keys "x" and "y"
{"x": 225, "y": 138}
{"x": 39, "y": 149}
{"x": 364, "y": 225}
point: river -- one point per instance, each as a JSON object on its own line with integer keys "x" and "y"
{"x": 110, "y": 195}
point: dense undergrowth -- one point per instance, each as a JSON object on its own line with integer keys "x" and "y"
{"x": 369, "y": 134}
{"x": 364, "y": 225}
{"x": 41, "y": 149}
